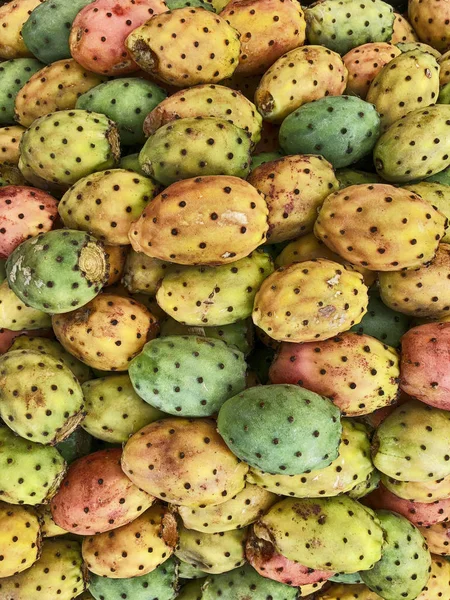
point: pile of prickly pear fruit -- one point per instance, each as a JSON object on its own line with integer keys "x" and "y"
{"x": 224, "y": 299}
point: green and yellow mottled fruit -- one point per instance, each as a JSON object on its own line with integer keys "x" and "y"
{"x": 186, "y": 571}
{"x": 436, "y": 194}
{"x": 352, "y": 467}
{"x": 105, "y": 204}
{"x": 197, "y": 32}
{"x": 9, "y": 144}
{"x": 424, "y": 491}
{"x": 321, "y": 72}
{"x": 11, "y": 175}
{"x": 191, "y": 590}
{"x": 13, "y": 15}
{"x": 340, "y": 591}
{"x": 16, "y": 315}
{"x": 210, "y": 220}
{"x": 366, "y": 487}
{"x": 309, "y": 301}
{"x": 142, "y": 273}
{"x": 20, "y": 539}
{"x": 14, "y": 73}
{"x": 431, "y": 22}
{"x": 214, "y": 296}
{"x": 364, "y": 63}
{"x": 380, "y": 227}
{"x": 348, "y": 177}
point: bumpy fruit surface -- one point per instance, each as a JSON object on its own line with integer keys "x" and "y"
{"x": 437, "y": 537}
{"x": 12, "y": 17}
{"x": 439, "y": 580}
{"x": 382, "y": 323}
{"x": 430, "y": 22}
{"x": 9, "y": 143}
{"x": 364, "y": 63}
{"x": 17, "y": 316}
{"x": 14, "y": 73}
{"x": 20, "y": 538}
{"x": 192, "y": 465}
{"x": 142, "y": 273}
{"x": 426, "y": 492}
{"x": 438, "y": 195}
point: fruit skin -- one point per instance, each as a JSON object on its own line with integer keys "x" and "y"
{"x": 109, "y": 56}
{"x": 364, "y": 63}
{"x": 349, "y": 24}
{"x": 87, "y": 505}
{"x": 408, "y": 82}
{"x": 211, "y": 220}
{"x": 107, "y": 332}
{"x": 419, "y": 129}
{"x": 142, "y": 273}
{"x": 347, "y": 592}
{"x": 16, "y": 316}
{"x": 191, "y": 590}
{"x": 125, "y": 101}
{"x": 124, "y": 554}
{"x": 20, "y": 538}
{"x": 206, "y": 100}
{"x": 438, "y": 195}
{"x": 403, "y": 30}
{"x": 69, "y": 268}
{"x": 439, "y": 580}
{"x": 192, "y": 464}
{"x": 20, "y": 481}
{"x": 12, "y": 17}
{"x": 281, "y": 429}
{"x": 9, "y": 144}
{"x": 76, "y": 445}
{"x": 287, "y": 306}
{"x": 53, "y": 88}
{"x": 294, "y": 188}
{"x": 386, "y": 228}
{"x": 268, "y": 21}
{"x": 313, "y": 525}
{"x": 430, "y": 22}
{"x": 425, "y": 492}
{"x": 25, "y": 212}
{"x": 14, "y": 73}
{"x": 105, "y": 204}
{"x": 209, "y": 146}
{"x": 405, "y": 448}
{"x": 343, "y": 129}
{"x": 10, "y": 175}
{"x": 321, "y": 71}
{"x": 437, "y": 537}
{"x": 207, "y": 372}
{"x": 382, "y": 323}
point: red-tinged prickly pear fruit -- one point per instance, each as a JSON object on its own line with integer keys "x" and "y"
{"x": 183, "y": 461}
{"x": 403, "y": 31}
{"x": 176, "y": 47}
{"x": 20, "y": 538}
{"x": 437, "y": 537}
{"x": 116, "y": 256}
{"x": 9, "y": 144}
{"x": 264, "y": 558}
{"x": 124, "y": 552}
{"x": 268, "y": 29}
{"x": 364, "y": 63}
{"x": 24, "y": 212}
{"x": 12, "y": 17}
{"x": 102, "y": 49}
{"x": 431, "y": 20}
{"x": 107, "y": 332}
{"x": 96, "y": 496}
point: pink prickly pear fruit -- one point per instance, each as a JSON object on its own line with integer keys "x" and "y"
{"x": 96, "y": 496}
{"x": 364, "y": 63}
{"x": 24, "y": 212}
{"x": 99, "y": 31}
{"x": 263, "y": 557}
{"x": 425, "y": 364}
{"x": 418, "y": 513}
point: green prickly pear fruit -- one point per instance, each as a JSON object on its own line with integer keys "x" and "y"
{"x": 9, "y": 143}
{"x": 76, "y": 445}
{"x": 430, "y": 22}
{"x": 436, "y": 194}
{"x": 65, "y": 146}
{"x": 313, "y": 540}
{"x": 237, "y": 512}
{"x": 352, "y": 467}
{"x": 191, "y": 590}
{"x": 41, "y": 399}
{"x": 209, "y": 220}
{"x": 398, "y": 452}
{"x": 426, "y": 492}
{"x": 21, "y": 482}
{"x": 419, "y": 46}
{"x": 174, "y": 4}
{"x": 16, "y": 315}
{"x": 192, "y": 465}
{"x": 386, "y": 228}
{"x": 382, "y": 323}
{"x": 14, "y": 73}
{"x": 125, "y": 553}
{"x": 348, "y": 177}
{"x": 105, "y": 204}
{"x": 404, "y": 544}
{"x": 162, "y": 583}
{"x": 143, "y": 274}
{"x": 263, "y": 158}
{"x": 403, "y": 30}
{"x": 208, "y": 146}
{"x": 321, "y": 71}
{"x": 206, "y": 373}
{"x": 442, "y": 177}
{"x": 187, "y": 25}
{"x": 69, "y": 268}
{"x": 12, "y": 17}
{"x": 214, "y": 296}
{"x": 366, "y": 487}
{"x": 364, "y": 63}
{"x": 20, "y": 538}
{"x": 131, "y": 163}
{"x": 287, "y": 305}
{"x": 347, "y": 578}
{"x": 349, "y": 24}
{"x": 11, "y": 175}
{"x": 186, "y": 571}
{"x": 281, "y": 429}
{"x": 125, "y": 101}
{"x": 294, "y": 188}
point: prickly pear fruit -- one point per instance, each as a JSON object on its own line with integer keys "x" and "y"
{"x": 116, "y": 256}
{"x": 403, "y": 31}
{"x": 193, "y": 589}
{"x": 173, "y": 4}
{"x": 404, "y": 544}
{"x": 351, "y": 467}
{"x": 105, "y": 204}
{"x": 13, "y": 15}
{"x": 281, "y": 429}
{"x": 340, "y": 591}
{"x": 17, "y": 316}
{"x": 186, "y": 571}
{"x": 437, "y": 537}
{"x": 287, "y": 306}
{"x": 84, "y": 333}
{"x": 367, "y": 213}
{"x": 439, "y": 580}
{"x": 125, "y": 551}
{"x": 312, "y": 540}
{"x": 275, "y": 28}
{"x": 14, "y": 73}
{"x": 20, "y": 538}
{"x": 437, "y": 194}
{"x": 431, "y": 22}
{"x": 76, "y": 445}
{"x": 264, "y": 157}
{"x": 48, "y": 526}
{"x": 348, "y": 177}
{"x": 210, "y": 220}
{"x": 419, "y": 46}
{"x": 364, "y": 63}
{"x": 24, "y": 212}
{"x": 142, "y": 273}
{"x": 317, "y": 71}
{"x": 382, "y": 323}
{"x": 10, "y": 175}
{"x": 426, "y": 492}
{"x": 162, "y": 582}
{"x": 9, "y": 143}
{"x": 202, "y": 469}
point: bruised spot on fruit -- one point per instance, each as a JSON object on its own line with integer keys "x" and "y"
{"x": 144, "y": 56}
